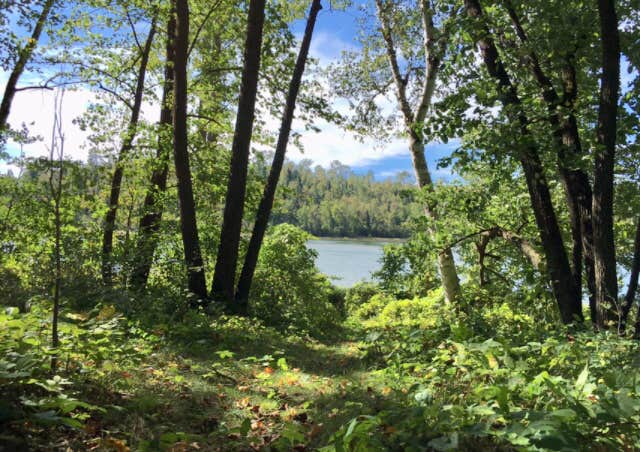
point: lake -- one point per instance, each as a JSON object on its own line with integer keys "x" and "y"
{"x": 347, "y": 261}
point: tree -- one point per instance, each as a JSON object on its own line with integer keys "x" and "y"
{"x": 566, "y": 138}
{"x": 560, "y": 275}
{"x": 434, "y": 46}
{"x": 23, "y": 57}
{"x": 223, "y": 285}
{"x": 56, "y": 174}
{"x": 366, "y": 78}
{"x": 266, "y": 203}
{"x": 188, "y": 224}
{"x": 152, "y": 208}
{"x": 603, "y": 189}
{"x": 127, "y": 145}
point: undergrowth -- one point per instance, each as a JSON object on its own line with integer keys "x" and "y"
{"x": 413, "y": 374}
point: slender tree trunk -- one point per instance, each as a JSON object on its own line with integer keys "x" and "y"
{"x": 413, "y": 121}
{"x": 577, "y": 184}
{"x": 266, "y": 203}
{"x": 558, "y": 267}
{"x": 603, "y": 239}
{"x": 225, "y": 272}
{"x": 23, "y": 57}
{"x": 152, "y": 208}
{"x": 127, "y": 144}
{"x": 188, "y": 224}
{"x": 55, "y": 186}
{"x": 632, "y": 289}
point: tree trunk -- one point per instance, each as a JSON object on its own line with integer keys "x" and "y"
{"x": 152, "y": 208}
{"x": 55, "y": 186}
{"x": 558, "y": 267}
{"x": 603, "y": 239}
{"x": 446, "y": 264}
{"x": 630, "y": 297}
{"x": 266, "y": 203}
{"x": 569, "y": 149}
{"x": 413, "y": 121}
{"x": 188, "y": 223}
{"x": 225, "y": 272}
{"x": 23, "y": 57}
{"x": 127, "y": 144}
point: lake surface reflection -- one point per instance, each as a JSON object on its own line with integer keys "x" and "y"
{"x": 347, "y": 261}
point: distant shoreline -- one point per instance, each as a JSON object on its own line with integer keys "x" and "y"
{"x": 361, "y": 239}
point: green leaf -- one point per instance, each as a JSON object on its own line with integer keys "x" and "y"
{"x": 582, "y": 378}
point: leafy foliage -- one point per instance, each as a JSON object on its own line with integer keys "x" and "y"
{"x": 289, "y": 292}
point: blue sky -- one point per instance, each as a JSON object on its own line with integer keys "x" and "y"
{"x": 334, "y": 33}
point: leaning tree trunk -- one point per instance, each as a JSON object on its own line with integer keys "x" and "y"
{"x": 23, "y": 57}
{"x": 558, "y": 267}
{"x": 603, "y": 239}
{"x": 632, "y": 289}
{"x": 127, "y": 144}
{"x": 188, "y": 224}
{"x": 266, "y": 203}
{"x": 225, "y": 272}
{"x": 152, "y": 208}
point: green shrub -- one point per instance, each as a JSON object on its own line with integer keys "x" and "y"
{"x": 359, "y": 294}
{"x": 288, "y": 292}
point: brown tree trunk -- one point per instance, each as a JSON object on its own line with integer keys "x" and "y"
{"x": 569, "y": 149}
{"x": 152, "y": 208}
{"x": 266, "y": 203}
{"x": 225, "y": 272}
{"x": 603, "y": 239}
{"x": 127, "y": 144}
{"x": 188, "y": 223}
{"x": 559, "y": 270}
{"x": 630, "y": 297}
{"x": 23, "y": 57}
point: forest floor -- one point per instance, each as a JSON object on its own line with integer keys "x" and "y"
{"x": 231, "y": 387}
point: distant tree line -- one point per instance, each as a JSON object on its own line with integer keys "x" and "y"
{"x": 338, "y": 202}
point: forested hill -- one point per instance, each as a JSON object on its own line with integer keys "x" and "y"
{"x": 337, "y": 202}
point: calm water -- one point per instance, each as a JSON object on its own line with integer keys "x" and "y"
{"x": 347, "y": 261}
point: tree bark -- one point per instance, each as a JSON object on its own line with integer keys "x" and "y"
{"x": 603, "y": 239}
{"x": 188, "y": 223}
{"x": 23, "y": 57}
{"x": 558, "y": 268}
{"x": 127, "y": 144}
{"x": 225, "y": 272}
{"x": 446, "y": 263}
{"x": 569, "y": 149}
{"x": 413, "y": 122}
{"x": 266, "y": 203}
{"x": 152, "y": 208}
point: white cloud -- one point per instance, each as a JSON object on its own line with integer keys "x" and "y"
{"x": 334, "y": 143}
{"x": 35, "y": 108}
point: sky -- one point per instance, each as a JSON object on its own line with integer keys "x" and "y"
{"x": 334, "y": 33}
